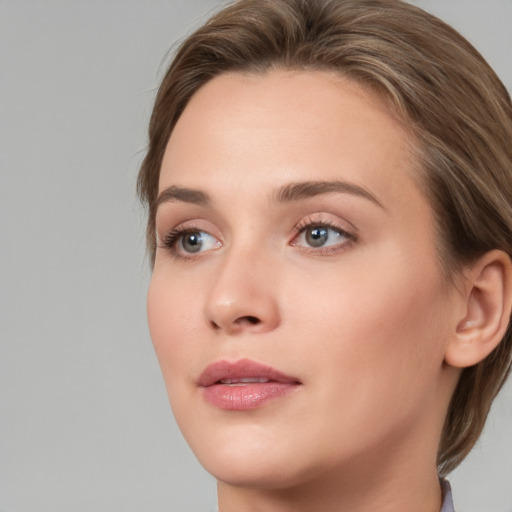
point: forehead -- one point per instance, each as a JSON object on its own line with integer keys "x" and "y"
{"x": 246, "y": 132}
{"x": 284, "y": 119}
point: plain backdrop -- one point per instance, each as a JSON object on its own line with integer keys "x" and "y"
{"x": 84, "y": 419}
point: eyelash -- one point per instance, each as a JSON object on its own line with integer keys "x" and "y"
{"x": 309, "y": 222}
{"x": 172, "y": 238}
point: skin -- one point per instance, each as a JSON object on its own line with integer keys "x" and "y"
{"x": 362, "y": 322}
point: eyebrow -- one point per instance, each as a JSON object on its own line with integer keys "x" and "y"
{"x": 305, "y": 189}
{"x": 182, "y": 194}
{"x": 285, "y": 194}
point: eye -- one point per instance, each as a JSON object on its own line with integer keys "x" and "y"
{"x": 193, "y": 242}
{"x": 318, "y": 235}
{"x": 185, "y": 242}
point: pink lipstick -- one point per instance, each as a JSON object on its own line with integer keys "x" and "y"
{"x": 244, "y": 384}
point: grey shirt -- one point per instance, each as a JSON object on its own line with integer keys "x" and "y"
{"x": 447, "y": 497}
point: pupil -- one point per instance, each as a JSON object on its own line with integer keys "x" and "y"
{"x": 317, "y": 237}
{"x": 192, "y": 242}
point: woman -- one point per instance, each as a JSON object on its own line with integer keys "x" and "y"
{"x": 330, "y": 224}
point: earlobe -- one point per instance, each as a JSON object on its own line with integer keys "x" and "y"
{"x": 488, "y": 304}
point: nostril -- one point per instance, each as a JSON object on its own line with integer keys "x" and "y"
{"x": 248, "y": 319}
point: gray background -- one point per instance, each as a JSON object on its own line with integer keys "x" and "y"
{"x": 84, "y": 420}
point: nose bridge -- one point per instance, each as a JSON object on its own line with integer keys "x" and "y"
{"x": 243, "y": 295}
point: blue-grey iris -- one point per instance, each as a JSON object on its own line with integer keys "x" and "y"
{"x": 317, "y": 236}
{"x": 192, "y": 242}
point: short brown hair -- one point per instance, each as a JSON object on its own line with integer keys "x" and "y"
{"x": 457, "y": 110}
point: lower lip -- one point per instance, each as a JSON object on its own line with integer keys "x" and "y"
{"x": 244, "y": 397}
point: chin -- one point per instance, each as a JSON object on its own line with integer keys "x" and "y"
{"x": 253, "y": 462}
{"x": 257, "y": 474}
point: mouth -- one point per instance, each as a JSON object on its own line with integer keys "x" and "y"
{"x": 244, "y": 384}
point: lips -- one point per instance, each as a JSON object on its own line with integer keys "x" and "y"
{"x": 244, "y": 384}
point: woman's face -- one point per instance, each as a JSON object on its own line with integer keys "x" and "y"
{"x": 297, "y": 306}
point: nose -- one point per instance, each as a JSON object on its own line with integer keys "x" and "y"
{"x": 243, "y": 297}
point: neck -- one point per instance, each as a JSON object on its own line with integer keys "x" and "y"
{"x": 414, "y": 490}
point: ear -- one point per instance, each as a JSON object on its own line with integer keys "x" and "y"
{"x": 487, "y": 308}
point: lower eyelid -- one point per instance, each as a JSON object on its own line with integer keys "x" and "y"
{"x": 327, "y": 250}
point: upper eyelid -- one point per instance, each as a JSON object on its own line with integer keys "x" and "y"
{"x": 317, "y": 218}
{"x": 165, "y": 226}
{"x": 320, "y": 219}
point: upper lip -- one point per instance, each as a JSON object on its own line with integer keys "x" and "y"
{"x": 241, "y": 369}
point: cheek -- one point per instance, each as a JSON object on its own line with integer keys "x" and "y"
{"x": 173, "y": 320}
{"x": 376, "y": 333}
